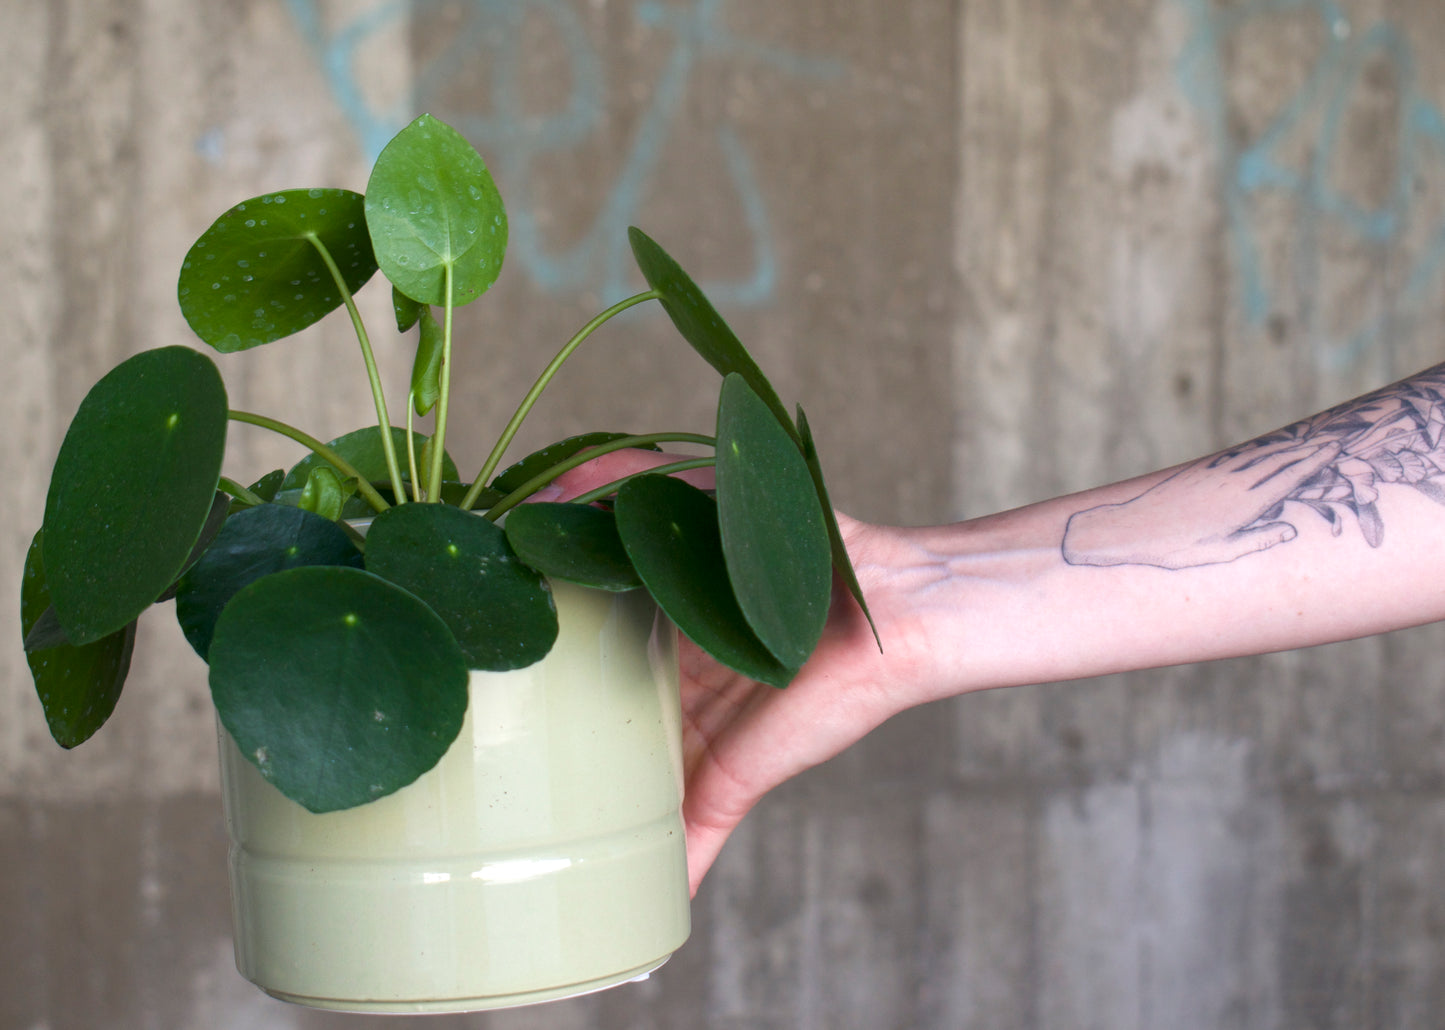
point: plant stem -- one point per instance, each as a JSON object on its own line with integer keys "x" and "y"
{"x": 240, "y": 492}
{"x": 372, "y": 374}
{"x": 541, "y": 384}
{"x": 326, "y": 453}
{"x": 411, "y": 445}
{"x": 439, "y": 432}
{"x": 661, "y": 470}
{"x": 546, "y": 476}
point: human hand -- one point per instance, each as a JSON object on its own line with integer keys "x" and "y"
{"x": 742, "y": 738}
{"x": 1211, "y": 511}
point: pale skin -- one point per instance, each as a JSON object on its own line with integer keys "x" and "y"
{"x": 1330, "y": 529}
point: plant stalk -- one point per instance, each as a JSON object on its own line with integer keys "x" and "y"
{"x": 495, "y": 458}
{"x": 363, "y": 486}
{"x": 439, "y": 431}
{"x": 240, "y": 492}
{"x": 378, "y": 396}
{"x": 546, "y": 476}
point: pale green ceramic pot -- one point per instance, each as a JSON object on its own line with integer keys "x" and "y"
{"x": 541, "y": 859}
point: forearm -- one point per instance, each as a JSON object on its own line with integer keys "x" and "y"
{"x": 1330, "y": 529}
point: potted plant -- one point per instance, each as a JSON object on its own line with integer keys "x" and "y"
{"x": 448, "y": 720}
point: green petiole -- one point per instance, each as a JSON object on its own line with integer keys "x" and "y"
{"x": 439, "y": 433}
{"x": 495, "y": 458}
{"x": 541, "y": 479}
{"x": 240, "y": 492}
{"x": 372, "y": 374}
{"x": 326, "y": 453}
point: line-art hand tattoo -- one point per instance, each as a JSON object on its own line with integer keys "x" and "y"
{"x": 1234, "y": 503}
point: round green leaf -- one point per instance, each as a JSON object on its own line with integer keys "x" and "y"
{"x": 255, "y": 543}
{"x": 407, "y": 311}
{"x": 132, "y": 487}
{"x": 499, "y": 610}
{"x": 257, "y": 274}
{"x": 78, "y": 686}
{"x": 699, "y": 322}
{"x": 774, "y": 535}
{"x": 573, "y": 542}
{"x": 338, "y": 686}
{"x": 431, "y": 205}
{"x": 670, "y": 530}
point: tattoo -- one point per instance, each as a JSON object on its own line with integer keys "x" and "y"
{"x": 1234, "y": 503}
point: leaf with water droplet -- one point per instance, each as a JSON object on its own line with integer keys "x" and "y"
{"x": 263, "y": 279}
{"x": 428, "y": 193}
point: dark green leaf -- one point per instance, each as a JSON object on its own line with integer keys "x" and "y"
{"x": 573, "y": 542}
{"x": 220, "y": 510}
{"x": 773, "y": 533}
{"x": 256, "y": 274}
{"x": 538, "y": 462}
{"x": 841, "y": 562}
{"x": 431, "y": 205}
{"x": 426, "y": 370}
{"x": 699, "y": 323}
{"x": 132, "y": 487}
{"x": 255, "y": 543}
{"x": 670, "y": 530}
{"x": 339, "y": 686}
{"x": 499, "y": 610}
{"x": 78, "y": 686}
{"x": 407, "y": 310}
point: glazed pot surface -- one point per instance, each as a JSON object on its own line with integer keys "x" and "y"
{"x": 542, "y": 858}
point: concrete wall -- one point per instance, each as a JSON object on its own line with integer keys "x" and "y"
{"x": 999, "y": 249}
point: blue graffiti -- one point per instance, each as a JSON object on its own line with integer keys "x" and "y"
{"x": 1317, "y": 112}
{"x": 515, "y": 141}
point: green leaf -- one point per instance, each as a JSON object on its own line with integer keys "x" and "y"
{"x": 499, "y": 610}
{"x": 700, "y": 324}
{"x": 256, "y": 275}
{"x": 266, "y": 488}
{"x": 338, "y": 686}
{"x": 78, "y": 686}
{"x": 572, "y": 542}
{"x": 325, "y": 493}
{"x": 773, "y": 533}
{"x": 431, "y": 205}
{"x": 540, "y": 461}
{"x": 132, "y": 487}
{"x": 426, "y": 370}
{"x": 841, "y": 561}
{"x": 670, "y": 531}
{"x": 407, "y": 310}
{"x": 362, "y": 449}
{"x": 215, "y": 519}
{"x": 252, "y": 544}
